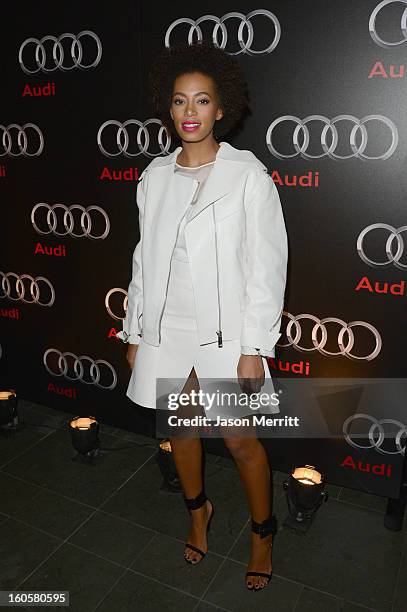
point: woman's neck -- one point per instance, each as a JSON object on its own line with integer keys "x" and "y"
{"x": 194, "y": 154}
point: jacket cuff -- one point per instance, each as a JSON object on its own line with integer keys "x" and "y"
{"x": 128, "y": 338}
{"x": 122, "y": 335}
{"x": 131, "y": 332}
{"x": 249, "y": 350}
{"x": 259, "y": 337}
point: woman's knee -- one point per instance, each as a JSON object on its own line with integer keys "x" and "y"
{"x": 242, "y": 448}
{"x": 184, "y": 441}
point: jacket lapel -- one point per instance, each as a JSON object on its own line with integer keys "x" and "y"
{"x": 219, "y": 183}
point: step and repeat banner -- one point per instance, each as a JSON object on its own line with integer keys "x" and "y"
{"x": 328, "y": 100}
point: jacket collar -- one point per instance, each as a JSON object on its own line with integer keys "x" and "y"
{"x": 227, "y": 168}
{"x": 226, "y": 152}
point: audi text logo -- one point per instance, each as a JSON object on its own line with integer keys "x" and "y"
{"x": 245, "y": 32}
{"x": 39, "y": 54}
{"x": 141, "y": 140}
{"x": 69, "y": 221}
{"x": 329, "y": 126}
{"x": 376, "y": 434}
{"x": 395, "y": 234}
{"x": 108, "y": 306}
{"x": 403, "y": 25}
{"x": 23, "y": 134}
{"x": 20, "y": 289}
{"x": 346, "y": 337}
{"x": 62, "y": 368}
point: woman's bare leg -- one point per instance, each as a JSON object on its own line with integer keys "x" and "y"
{"x": 252, "y": 464}
{"x": 187, "y": 452}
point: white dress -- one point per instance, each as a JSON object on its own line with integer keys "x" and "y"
{"x": 159, "y": 370}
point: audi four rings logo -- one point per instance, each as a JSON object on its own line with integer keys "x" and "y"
{"x": 78, "y": 368}
{"x": 123, "y": 138}
{"x": 395, "y": 234}
{"x": 245, "y": 45}
{"x": 58, "y": 54}
{"x": 107, "y": 302}
{"x": 345, "y": 343}
{"x": 68, "y": 220}
{"x": 20, "y": 288}
{"x": 377, "y": 434}
{"x": 329, "y": 126}
{"x": 403, "y": 25}
{"x": 24, "y": 133}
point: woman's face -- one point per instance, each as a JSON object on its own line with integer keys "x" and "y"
{"x": 194, "y": 101}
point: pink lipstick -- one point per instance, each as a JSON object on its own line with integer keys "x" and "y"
{"x": 190, "y": 126}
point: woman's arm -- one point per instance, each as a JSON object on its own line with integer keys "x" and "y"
{"x": 132, "y": 321}
{"x": 266, "y": 256}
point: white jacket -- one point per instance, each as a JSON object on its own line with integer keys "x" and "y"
{"x": 237, "y": 249}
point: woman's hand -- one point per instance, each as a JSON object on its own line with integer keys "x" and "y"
{"x": 250, "y": 372}
{"x": 131, "y": 354}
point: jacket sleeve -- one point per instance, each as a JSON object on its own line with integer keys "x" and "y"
{"x": 266, "y": 256}
{"x": 249, "y": 350}
{"x": 131, "y": 332}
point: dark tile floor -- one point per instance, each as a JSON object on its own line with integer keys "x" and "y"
{"x": 106, "y": 533}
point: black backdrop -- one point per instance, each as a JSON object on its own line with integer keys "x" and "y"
{"x": 326, "y": 63}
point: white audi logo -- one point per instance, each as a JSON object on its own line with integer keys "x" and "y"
{"x": 244, "y": 37}
{"x": 62, "y": 368}
{"x": 346, "y": 338}
{"x": 109, "y": 309}
{"x": 20, "y": 289}
{"x": 141, "y": 140}
{"x": 395, "y": 234}
{"x": 376, "y": 434}
{"x": 69, "y": 221}
{"x": 403, "y": 25}
{"x": 329, "y": 126}
{"x": 27, "y": 132}
{"x": 58, "y": 54}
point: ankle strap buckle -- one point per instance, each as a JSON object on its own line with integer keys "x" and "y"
{"x": 268, "y": 526}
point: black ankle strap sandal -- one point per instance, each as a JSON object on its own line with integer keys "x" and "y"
{"x": 263, "y": 529}
{"x": 266, "y": 527}
{"x": 193, "y": 504}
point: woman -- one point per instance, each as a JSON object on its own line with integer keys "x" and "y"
{"x": 209, "y": 275}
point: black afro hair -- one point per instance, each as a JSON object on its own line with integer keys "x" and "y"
{"x": 202, "y": 56}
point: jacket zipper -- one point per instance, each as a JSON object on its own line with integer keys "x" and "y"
{"x": 169, "y": 270}
{"x": 219, "y": 332}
